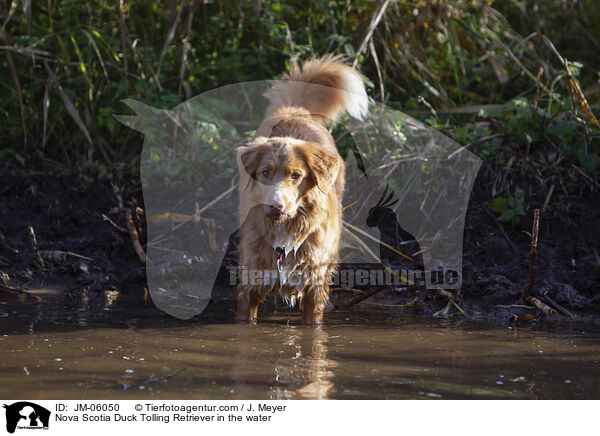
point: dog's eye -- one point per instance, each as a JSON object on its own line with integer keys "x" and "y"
{"x": 266, "y": 173}
{"x": 295, "y": 176}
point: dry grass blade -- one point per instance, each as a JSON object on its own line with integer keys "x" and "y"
{"x": 523, "y": 68}
{"x": 362, "y": 232}
{"x": 124, "y": 34}
{"x": 27, "y": 11}
{"x": 13, "y": 7}
{"x": 46, "y": 107}
{"x": 378, "y": 67}
{"x": 575, "y": 87}
{"x": 69, "y": 105}
{"x": 169, "y": 38}
{"x": 374, "y": 23}
{"x": 184, "y": 53}
{"x": 13, "y": 73}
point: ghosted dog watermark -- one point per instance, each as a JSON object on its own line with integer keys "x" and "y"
{"x": 348, "y": 278}
{"x": 406, "y": 190}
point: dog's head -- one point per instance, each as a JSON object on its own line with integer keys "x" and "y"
{"x": 284, "y": 175}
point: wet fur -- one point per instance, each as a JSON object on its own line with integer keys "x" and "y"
{"x": 293, "y": 140}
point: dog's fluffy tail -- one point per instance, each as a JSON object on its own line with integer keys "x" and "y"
{"x": 325, "y": 87}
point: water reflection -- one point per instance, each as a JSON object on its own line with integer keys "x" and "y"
{"x": 298, "y": 366}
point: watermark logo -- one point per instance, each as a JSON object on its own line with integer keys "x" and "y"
{"x": 25, "y": 415}
{"x": 404, "y": 203}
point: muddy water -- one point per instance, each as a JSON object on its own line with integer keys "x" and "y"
{"x": 118, "y": 347}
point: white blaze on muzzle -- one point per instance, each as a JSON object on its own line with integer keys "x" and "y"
{"x": 274, "y": 195}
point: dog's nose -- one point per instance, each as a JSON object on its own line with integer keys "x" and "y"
{"x": 276, "y": 205}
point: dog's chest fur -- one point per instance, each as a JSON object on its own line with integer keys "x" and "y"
{"x": 291, "y": 278}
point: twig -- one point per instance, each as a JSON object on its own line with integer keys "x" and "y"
{"x": 501, "y": 228}
{"x": 219, "y": 198}
{"x": 462, "y": 110}
{"x": 548, "y": 198}
{"x": 523, "y": 306}
{"x": 533, "y": 268}
{"x": 345, "y": 290}
{"x": 33, "y": 240}
{"x": 580, "y": 171}
{"x": 60, "y": 256}
{"x": 533, "y": 255}
{"x": 114, "y": 224}
{"x": 477, "y": 141}
{"x": 450, "y": 296}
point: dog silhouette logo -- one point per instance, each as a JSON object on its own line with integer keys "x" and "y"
{"x": 26, "y": 415}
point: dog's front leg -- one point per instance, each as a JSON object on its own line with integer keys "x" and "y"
{"x": 313, "y": 304}
{"x": 247, "y": 305}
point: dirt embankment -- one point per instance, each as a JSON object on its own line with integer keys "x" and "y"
{"x": 82, "y": 237}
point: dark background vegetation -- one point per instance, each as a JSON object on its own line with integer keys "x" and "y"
{"x": 66, "y": 64}
{"x": 516, "y": 81}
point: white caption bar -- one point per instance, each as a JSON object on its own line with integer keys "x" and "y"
{"x": 24, "y": 417}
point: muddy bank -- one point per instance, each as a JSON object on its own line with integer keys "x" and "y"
{"x": 85, "y": 246}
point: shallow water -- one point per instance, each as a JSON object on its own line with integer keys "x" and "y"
{"x": 121, "y": 347}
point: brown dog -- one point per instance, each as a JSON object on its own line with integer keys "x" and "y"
{"x": 291, "y": 185}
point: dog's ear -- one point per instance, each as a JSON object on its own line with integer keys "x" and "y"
{"x": 248, "y": 158}
{"x": 324, "y": 167}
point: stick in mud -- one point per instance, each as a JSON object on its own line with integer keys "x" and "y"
{"x": 133, "y": 233}
{"x": 533, "y": 268}
{"x": 33, "y": 240}
{"x": 532, "y": 254}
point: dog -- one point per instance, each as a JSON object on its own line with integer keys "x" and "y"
{"x": 291, "y": 187}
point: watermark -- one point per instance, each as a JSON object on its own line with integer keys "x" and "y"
{"x": 407, "y": 189}
{"x": 25, "y": 415}
{"x": 348, "y": 277}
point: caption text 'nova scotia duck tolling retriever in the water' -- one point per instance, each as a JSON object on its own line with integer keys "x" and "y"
{"x": 291, "y": 186}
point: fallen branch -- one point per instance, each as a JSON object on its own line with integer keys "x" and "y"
{"x": 365, "y": 296}
{"x": 541, "y": 306}
{"x": 559, "y": 307}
